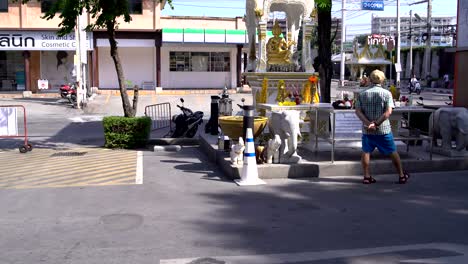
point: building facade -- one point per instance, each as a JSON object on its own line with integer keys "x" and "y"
{"x": 443, "y": 29}
{"x": 195, "y": 52}
{"x": 202, "y": 52}
{"x": 30, "y": 49}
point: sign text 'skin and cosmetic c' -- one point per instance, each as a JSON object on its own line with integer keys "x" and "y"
{"x": 31, "y": 40}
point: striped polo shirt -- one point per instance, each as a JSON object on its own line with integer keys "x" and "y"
{"x": 373, "y": 102}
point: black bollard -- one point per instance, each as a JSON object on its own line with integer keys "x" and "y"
{"x": 248, "y": 119}
{"x": 214, "y": 115}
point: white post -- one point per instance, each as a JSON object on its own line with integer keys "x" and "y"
{"x": 398, "y": 44}
{"x": 428, "y": 41}
{"x": 343, "y": 27}
{"x": 77, "y": 63}
{"x": 411, "y": 43}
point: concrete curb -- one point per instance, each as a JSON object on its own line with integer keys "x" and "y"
{"x": 174, "y": 141}
{"x": 19, "y": 95}
{"x": 168, "y": 148}
{"x": 168, "y": 92}
{"x": 326, "y": 168}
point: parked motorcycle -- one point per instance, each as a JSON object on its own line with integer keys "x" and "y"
{"x": 186, "y": 123}
{"x": 68, "y": 91}
{"x": 414, "y": 87}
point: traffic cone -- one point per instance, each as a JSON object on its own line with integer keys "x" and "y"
{"x": 249, "y": 170}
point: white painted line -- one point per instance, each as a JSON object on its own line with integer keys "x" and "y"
{"x": 84, "y": 119}
{"x": 139, "y": 168}
{"x": 336, "y": 254}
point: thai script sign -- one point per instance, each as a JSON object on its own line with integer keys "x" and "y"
{"x": 376, "y": 39}
{"x": 376, "y": 5}
{"x": 35, "y": 40}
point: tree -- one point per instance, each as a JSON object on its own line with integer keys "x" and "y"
{"x": 361, "y": 39}
{"x": 105, "y": 13}
{"x": 324, "y": 61}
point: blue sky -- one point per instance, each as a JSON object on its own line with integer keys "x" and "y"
{"x": 359, "y": 21}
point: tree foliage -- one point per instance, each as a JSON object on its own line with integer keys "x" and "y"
{"x": 361, "y": 39}
{"x": 105, "y": 14}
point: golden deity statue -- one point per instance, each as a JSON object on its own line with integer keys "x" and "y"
{"x": 278, "y": 48}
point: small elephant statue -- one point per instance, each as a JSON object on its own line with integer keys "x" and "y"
{"x": 273, "y": 149}
{"x": 285, "y": 124}
{"x": 450, "y": 123}
{"x": 237, "y": 151}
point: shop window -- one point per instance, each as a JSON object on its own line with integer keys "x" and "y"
{"x": 200, "y": 61}
{"x": 179, "y": 61}
{"x": 220, "y": 62}
{"x": 135, "y": 7}
{"x": 12, "y": 76}
{"x": 4, "y": 6}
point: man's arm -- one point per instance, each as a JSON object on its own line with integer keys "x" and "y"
{"x": 384, "y": 116}
{"x": 362, "y": 117}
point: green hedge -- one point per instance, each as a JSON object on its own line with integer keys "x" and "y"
{"x": 126, "y": 132}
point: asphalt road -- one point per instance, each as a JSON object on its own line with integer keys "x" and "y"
{"x": 185, "y": 210}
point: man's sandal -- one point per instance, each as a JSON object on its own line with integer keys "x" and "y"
{"x": 368, "y": 180}
{"x": 404, "y": 179}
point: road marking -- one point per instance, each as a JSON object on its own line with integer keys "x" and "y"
{"x": 84, "y": 119}
{"x": 153, "y": 98}
{"x": 50, "y": 168}
{"x": 107, "y": 98}
{"x": 139, "y": 168}
{"x": 458, "y": 254}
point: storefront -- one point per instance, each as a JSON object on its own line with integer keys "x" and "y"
{"x": 27, "y": 56}
{"x": 138, "y": 53}
{"x": 201, "y": 58}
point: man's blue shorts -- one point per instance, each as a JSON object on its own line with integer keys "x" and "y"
{"x": 384, "y": 143}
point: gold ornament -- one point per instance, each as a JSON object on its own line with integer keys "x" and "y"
{"x": 306, "y": 93}
{"x": 282, "y": 94}
{"x": 278, "y": 49}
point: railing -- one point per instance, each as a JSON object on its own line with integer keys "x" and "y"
{"x": 160, "y": 115}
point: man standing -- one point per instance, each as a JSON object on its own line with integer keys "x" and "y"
{"x": 374, "y": 107}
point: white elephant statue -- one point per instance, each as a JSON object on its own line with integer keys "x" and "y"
{"x": 286, "y": 125}
{"x": 237, "y": 151}
{"x": 450, "y": 123}
{"x": 273, "y": 149}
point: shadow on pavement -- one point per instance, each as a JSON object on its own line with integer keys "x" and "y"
{"x": 86, "y": 134}
{"x": 323, "y": 214}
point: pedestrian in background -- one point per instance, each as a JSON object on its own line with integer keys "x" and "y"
{"x": 446, "y": 80}
{"x": 374, "y": 107}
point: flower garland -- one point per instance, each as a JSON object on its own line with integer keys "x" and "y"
{"x": 263, "y": 96}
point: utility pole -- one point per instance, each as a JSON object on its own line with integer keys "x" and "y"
{"x": 398, "y": 44}
{"x": 428, "y": 41}
{"x": 77, "y": 63}
{"x": 411, "y": 43}
{"x": 343, "y": 36}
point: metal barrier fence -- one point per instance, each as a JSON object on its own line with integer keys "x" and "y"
{"x": 160, "y": 115}
{"x": 10, "y": 124}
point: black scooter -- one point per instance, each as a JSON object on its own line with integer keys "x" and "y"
{"x": 186, "y": 123}
{"x": 414, "y": 87}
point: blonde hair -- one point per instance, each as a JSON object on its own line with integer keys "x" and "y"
{"x": 377, "y": 77}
